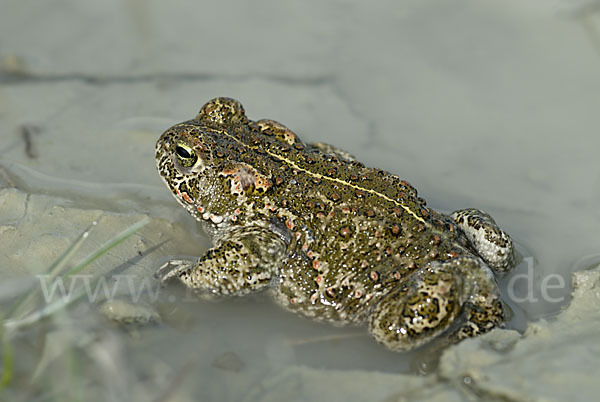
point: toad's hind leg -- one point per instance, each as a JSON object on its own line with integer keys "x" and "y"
{"x": 243, "y": 261}
{"x": 457, "y": 298}
{"x": 419, "y": 311}
{"x": 492, "y": 244}
{"x": 482, "y": 312}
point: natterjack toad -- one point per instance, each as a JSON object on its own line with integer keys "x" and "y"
{"x": 330, "y": 238}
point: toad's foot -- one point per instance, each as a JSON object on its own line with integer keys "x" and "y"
{"x": 491, "y": 243}
{"x": 172, "y": 269}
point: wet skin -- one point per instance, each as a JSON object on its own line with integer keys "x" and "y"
{"x": 330, "y": 238}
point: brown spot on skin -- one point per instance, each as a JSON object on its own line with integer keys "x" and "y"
{"x": 370, "y": 213}
{"x": 374, "y": 275}
{"x": 345, "y": 232}
{"x": 435, "y": 240}
{"x": 316, "y": 264}
{"x": 278, "y": 181}
{"x": 395, "y": 229}
{"x": 334, "y": 197}
{"x": 397, "y": 212}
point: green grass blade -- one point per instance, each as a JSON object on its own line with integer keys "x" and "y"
{"x": 63, "y": 302}
{"x": 46, "y": 311}
{"x": 55, "y": 269}
{"x": 28, "y": 299}
{"x": 115, "y": 241}
{"x": 7, "y": 360}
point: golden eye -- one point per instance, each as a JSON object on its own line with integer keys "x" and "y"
{"x": 185, "y": 154}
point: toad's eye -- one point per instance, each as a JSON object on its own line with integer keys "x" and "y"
{"x": 185, "y": 154}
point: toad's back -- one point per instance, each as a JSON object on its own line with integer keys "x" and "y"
{"x": 356, "y": 231}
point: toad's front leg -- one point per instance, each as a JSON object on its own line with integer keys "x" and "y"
{"x": 243, "y": 261}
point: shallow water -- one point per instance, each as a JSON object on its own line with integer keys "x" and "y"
{"x": 476, "y": 105}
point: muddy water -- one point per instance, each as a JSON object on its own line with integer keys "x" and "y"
{"x": 484, "y": 106}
